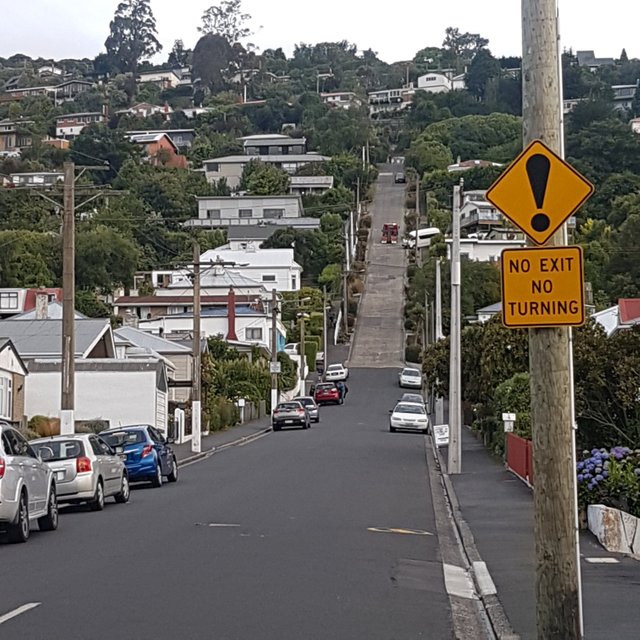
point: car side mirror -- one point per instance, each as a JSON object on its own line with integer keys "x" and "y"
{"x": 390, "y": 410}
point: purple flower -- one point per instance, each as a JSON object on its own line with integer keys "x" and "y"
{"x": 605, "y": 474}
{"x": 591, "y": 485}
{"x": 605, "y": 455}
{"x": 599, "y": 477}
{"x": 580, "y": 477}
{"x": 580, "y": 466}
{"x": 637, "y": 472}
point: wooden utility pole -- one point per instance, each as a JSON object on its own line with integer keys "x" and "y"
{"x": 303, "y": 386}
{"x": 325, "y": 329}
{"x": 558, "y": 615}
{"x": 274, "y": 349}
{"x": 196, "y": 411}
{"x": 454, "y": 462}
{"x": 67, "y": 404}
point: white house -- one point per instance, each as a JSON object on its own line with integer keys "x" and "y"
{"x": 273, "y": 268}
{"x": 434, "y": 82}
{"x": 342, "y": 99}
{"x": 116, "y": 392}
{"x": 224, "y": 211}
{"x": 310, "y": 185}
{"x": 479, "y": 250}
{"x": 635, "y": 125}
{"x": 70, "y": 125}
{"x": 165, "y": 79}
{"x": 477, "y": 214}
{"x": 12, "y": 376}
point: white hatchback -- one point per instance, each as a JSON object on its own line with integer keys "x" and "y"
{"x": 409, "y": 415}
{"x": 336, "y": 372}
{"x": 410, "y": 378}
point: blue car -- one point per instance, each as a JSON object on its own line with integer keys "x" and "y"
{"x": 145, "y": 451}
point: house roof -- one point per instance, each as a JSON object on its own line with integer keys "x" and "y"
{"x": 148, "y": 138}
{"x": 302, "y": 157}
{"x": 167, "y": 131}
{"x": 43, "y": 338}
{"x": 311, "y": 181}
{"x": 212, "y": 277}
{"x": 250, "y": 231}
{"x": 266, "y": 136}
{"x": 54, "y": 312}
{"x": 77, "y": 115}
{"x": 147, "y": 340}
{"x": 255, "y": 258}
{"x": 163, "y": 301}
{"x": 490, "y": 309}
{"x": 245, "y": 199}
{"x": 215, "y": 312}
{"x": 5, "y": 343}
{"x": 629, "y": 310}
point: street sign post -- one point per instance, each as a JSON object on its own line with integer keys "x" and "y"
{"x": 539, "y": 192}
{"x": 542, "y": 287}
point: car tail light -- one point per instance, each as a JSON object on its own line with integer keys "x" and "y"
{"x": 83, "y": 464}
{"x": 3, "y": 466}
{"x": 299, "y": 410}
{"x": 146, "y": 451}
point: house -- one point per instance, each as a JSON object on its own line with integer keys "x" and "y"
{"x": 165, "y": 79}
{"x": 50, "y": 70}
{"x": 145, "y": 110}
{"x": 434, "y": 82}
{"x": 588, "y": 59}
{"x": 70, "y": 125}
{"x": 17, "y": 301}
{"x": 342, "y": 99}
{"x": 224, "y": 211}
{"x": 12, "y": 381}
{"x": 231, "y": 167}
{"x": 623, "y": 96}
{"x": 173, "y": 293}
{"x": 310, "y": 185}
{"x": 70, "y": 90}
{"x": 15, "y": 135}
{"x": 273, "y": 144}
{"x": 235, "y": 322}
{"x": 624, "y": 315}
{"x": 180, "y": 137}
{"x": 481, "y": 250}
{"x": 635, "y": 125}
{"x": 486, "y": 313}
{"x": 130, "y": 339}
{"x": 465, "y": 165}
{"x": 159, "y": 150}
{"x": 385, "y": 100}
{"x": 240, "y": 236}
{"x": 477, "y": 214}
{"x": 37, "y": 179}
{"x": 273, "y": 268}
{"x": 17, "y": 94}
{"x": 569, "y": 105}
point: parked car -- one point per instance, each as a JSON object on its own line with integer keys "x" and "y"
{"x": 326, "y": 393}
{"x": 410, "y": 378}
{"x": 86, "y": 469}
{"x": 289, "y": 414}
{"x": 335, "y": 373}
{"x": 291, "y": 349}
{"x": 148, "y": 454}
{"x": 399, "y": 177}
{"x": 312, "y": 408}
{"x": 27, "y": 487}
{"x": 415, "y": 398}
{"x": 409, "y": 415}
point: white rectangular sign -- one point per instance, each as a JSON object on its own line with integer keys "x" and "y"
{"x": 508, "y": 417}
{"x": 441, "y": 434}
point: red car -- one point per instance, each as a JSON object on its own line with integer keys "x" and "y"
{"x": 327, "y": 393}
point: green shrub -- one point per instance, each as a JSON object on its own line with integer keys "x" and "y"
{"x": 310, "y": 353}
{"x": 413, "y": 353}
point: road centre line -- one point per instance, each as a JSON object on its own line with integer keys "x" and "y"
{"x": 19, "y": 611}
{"x": 410, "y": 532}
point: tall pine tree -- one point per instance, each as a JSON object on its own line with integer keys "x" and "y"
{"x": 133, "y": 35}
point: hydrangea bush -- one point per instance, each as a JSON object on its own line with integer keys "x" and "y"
{"x": 610, "y": 477}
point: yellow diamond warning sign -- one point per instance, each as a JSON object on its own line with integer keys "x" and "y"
{"x": 542, "y": 287}
{"x": 539, "y": 191}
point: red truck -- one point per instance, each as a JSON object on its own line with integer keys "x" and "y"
{"x": 389, "y": 233}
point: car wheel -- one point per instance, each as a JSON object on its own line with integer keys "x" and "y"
{"x": 317, "y": 420}
{"x": 19, "y": 530}
{"x": 392, "y": 429}
{"x": 173, "y": 474}
{"x": 49, "y": 522}
{"x": 276, "y": 427}
{"x": 97, "y": 504}
{"x": 125, "y": 490}
{"x": 156, "y": 481}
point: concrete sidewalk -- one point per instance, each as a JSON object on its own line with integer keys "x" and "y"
{"x": 495, "y": 518}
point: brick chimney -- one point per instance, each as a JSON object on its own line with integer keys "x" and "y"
{"x": 42, "y": 304}
{"x": 231, "y": 314}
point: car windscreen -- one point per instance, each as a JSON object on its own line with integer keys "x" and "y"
{"x": 325, "y": 387}
{"x": 289, "y": 406}
{"x": 58, "y": 449}
{"x": 409, "y": 408}
{"x": 413, "y": 373}
{"x": 309, "y": 402}
{"x": 334, "y": 367}
{"x": 412, "y": 397}
{"x": 123, "y": 438}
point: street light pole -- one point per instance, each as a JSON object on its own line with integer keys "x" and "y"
{"x": 324, "y": 329}
{"x": 274, "y": 349}
{"x": 439, "y": 404}
{"x": 303, "y": 386}
{"x": 196, "y": 443}
{"x": 455, "y": 400}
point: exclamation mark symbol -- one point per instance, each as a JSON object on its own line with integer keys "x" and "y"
{"x": 538, "y": 167}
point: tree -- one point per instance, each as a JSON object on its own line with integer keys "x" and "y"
{"x": 623, "y": 56}
{"x": 211, "y": 57}
{"x": 133, "y": 35}
{"x": 227, "y": 20}
{"x": 264, "y": 179}
{"x": 88, "y": 303}
{"x": 426, "y": 154}
{"x": 483, "y": 68}
{"x": 460, "y": 48}
{"x": 179, "y": 56}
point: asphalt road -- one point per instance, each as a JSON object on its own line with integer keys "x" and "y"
{"x": 271, "y": 540}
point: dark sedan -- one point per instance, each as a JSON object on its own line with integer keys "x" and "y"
{"x": 290, "y": 414}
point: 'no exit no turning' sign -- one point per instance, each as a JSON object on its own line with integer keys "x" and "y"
{"x": 542, "y": 287}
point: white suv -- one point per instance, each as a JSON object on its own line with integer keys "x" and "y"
{"x": 27, "y": 487}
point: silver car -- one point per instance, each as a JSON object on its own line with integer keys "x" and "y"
{"x": 27, "y": 487}
{"x": 86, "y": 469}
{"x": 312, "y": 408}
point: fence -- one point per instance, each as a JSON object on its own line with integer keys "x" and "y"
{"x": 519, "y": 453}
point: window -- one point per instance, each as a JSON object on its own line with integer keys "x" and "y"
{"x": 253, "y": 334}
{"x": 294, "y": 282}
{"x": 268, "y": 277}
{"x": 8, "y": 300}
{"x": 213, "y": 167}
{"x": 6, "y": 398}
{"x": 273, "y": 214}
{"x": 245, "y": 213}
{"x": 213, "y": 214}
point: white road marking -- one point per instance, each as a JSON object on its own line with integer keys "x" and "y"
{"x": 385, "y": 173}
{"x": 602, "y": 560}
{"x": 409, "y": 532}
{"x": 483, "y": 579}
{"x": 458, "y": 582}
{"x": 216, "y": 524}
{"x": 20, "y": 610}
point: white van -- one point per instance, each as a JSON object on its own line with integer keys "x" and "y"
{"x": 424, "y": 237}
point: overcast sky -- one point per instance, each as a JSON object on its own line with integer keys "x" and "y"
{"x": 78, "y": 28}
